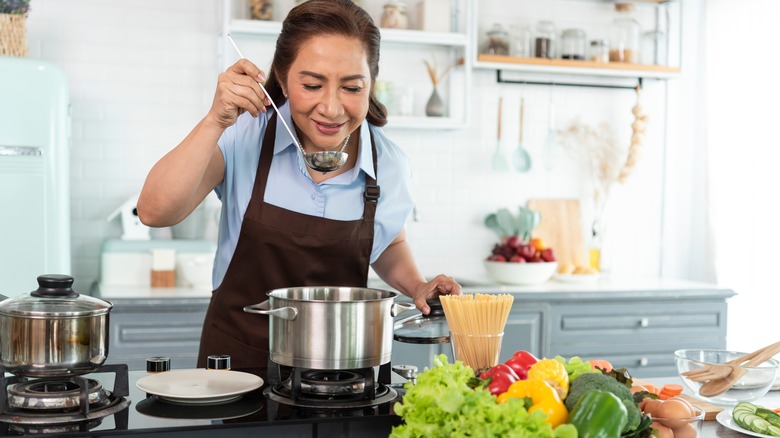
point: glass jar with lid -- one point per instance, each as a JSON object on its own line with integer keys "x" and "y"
{"x": 624, "y": 43}
{"x": 599, "y": 51}
{"x": 653, "y": 48}
{"x": 497, "y": 42}
{"x": 521, "y": 41}
{"x": 394, "y": 15}
{"x": 573, "y": 44}
{"x": 544, "y": 40}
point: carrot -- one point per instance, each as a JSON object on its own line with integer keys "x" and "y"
{"x": 777, "y": 410}
{"x": 601, "y": 364}
{"x": 652, "y": 389}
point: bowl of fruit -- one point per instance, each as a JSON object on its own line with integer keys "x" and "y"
{"x": 514, "y": 261}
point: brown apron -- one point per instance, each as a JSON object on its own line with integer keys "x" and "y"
{"x": 279, "y": 248}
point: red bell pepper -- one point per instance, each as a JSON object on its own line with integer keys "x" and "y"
{"x": 501, "y": 377}
{"x": 520, "y": 362}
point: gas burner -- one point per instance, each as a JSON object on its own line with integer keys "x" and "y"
{"x": 280, "y": 394}
{"x": 329, "y": 383}
{"x": 55, "y": 394}
{"x": 54, "y": 403}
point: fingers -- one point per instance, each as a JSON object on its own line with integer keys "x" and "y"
{"x": 440, "y": 285}
{"x": 244, "y": 67}
{"x": 238, "y": 91}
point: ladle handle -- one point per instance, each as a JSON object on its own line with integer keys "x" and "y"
{"x": 500, "y": 105}
{"x": 522, "y": 116}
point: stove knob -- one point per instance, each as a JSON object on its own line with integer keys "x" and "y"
{"x": 218, "y": 362}
{"x": 158, "y": 364}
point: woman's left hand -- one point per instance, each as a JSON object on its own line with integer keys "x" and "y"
{"x": 441, "y": 285}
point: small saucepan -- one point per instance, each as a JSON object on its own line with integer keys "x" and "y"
{"x": 53, "y": 331}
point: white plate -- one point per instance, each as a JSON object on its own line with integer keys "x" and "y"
{"x": 725, "y": 419}
{"x": 199, "y": 385}
{"x": 576, "y": 278}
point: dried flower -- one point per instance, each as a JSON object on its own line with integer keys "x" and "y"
{"x": 15, "y": 7}
{"x": 436, "y": 78}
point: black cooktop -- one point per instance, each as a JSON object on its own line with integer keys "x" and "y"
{"x": 252, "y": 414}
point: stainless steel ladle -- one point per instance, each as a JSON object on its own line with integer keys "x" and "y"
{"x": 322, "y": 161}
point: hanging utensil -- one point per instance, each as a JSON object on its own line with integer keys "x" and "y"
{"x": 552, "y": 136}
{"x": 521, "y": 160}
{"x": 499, "y": 161}
{"x": 322, "y": 161}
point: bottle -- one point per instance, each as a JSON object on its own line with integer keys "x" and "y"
{"x": 594, "y": 251}
{"x": 544, "y": 41}
{"x": 573, "y": 44}
{"x": 624, "y": 44}
{"x": 497, "y": 41}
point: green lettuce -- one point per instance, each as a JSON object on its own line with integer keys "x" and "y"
{"x": 443, "y": 404}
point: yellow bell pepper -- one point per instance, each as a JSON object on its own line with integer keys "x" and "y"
{"x": 543, "y": 397}
{"x": 552, "y": 372}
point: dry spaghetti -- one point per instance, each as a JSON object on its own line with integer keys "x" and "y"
{"x": 476, "y": 324}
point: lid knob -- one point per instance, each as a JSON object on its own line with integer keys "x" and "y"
{"x": 55, "y": 286}
{"x": 158, "y": 364}
{"x": 218, "y": 362}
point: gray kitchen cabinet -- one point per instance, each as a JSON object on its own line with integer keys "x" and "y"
{"x": 636, "y": 328}
{"x": 141, "y": 328}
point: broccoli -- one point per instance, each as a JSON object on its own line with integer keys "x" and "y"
{"x": 597, "y": 381}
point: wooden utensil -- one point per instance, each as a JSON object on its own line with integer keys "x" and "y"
{"x": 561, "y": 228}
{"x": 500, "y": 163}
{"x": 719, "y": 371}
{"x": 719, "y": 386}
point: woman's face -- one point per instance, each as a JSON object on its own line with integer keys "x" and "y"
{"x": 328, "y": 87}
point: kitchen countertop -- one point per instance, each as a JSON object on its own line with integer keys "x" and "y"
{"x": 549, "y": 290}
{"x": 267, "y": 418}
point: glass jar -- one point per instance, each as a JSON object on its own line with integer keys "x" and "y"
{"x": 599, "y": 51}
{"x": 573, "y": 44}
{"x": 653, "y": 48}
{"x": 521, "y": 42}
{"x": 624, "y": 44}
{"x": 544, "y": 40}
{"x": 394, "y": 16}
{"x": 497, "y": 42}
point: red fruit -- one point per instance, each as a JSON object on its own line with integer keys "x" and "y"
{"x": 497, "y": 258}
{"x": 548, "y": 255}
{"x": 517, "y": 259}
{"x": 527, "y": 252}
{"x": 514, "y": 242}
{"x": 535, "y": 259}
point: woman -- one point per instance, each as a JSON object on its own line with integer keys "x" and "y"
{"x": 282, "y": 223}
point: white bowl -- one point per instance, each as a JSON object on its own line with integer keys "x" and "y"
{"x": 521, "y": 273}
{"x": 195, "y": 272}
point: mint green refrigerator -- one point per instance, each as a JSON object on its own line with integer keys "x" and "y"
{"x": 34, "y": 172}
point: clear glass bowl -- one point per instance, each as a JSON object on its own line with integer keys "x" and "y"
{"x": 752, "y": 386}
{"x": 684, "y": 427}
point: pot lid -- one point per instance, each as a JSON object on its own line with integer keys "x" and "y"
{"x": 54, "y": 298}
{"x": 424, "y": 329}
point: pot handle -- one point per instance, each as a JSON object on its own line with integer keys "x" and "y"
{"x": 288, "y": 313}
{"x": 399, "y": 308}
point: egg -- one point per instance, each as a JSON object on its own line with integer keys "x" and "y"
{"x": 650, "y": 406}
{"x": 687, "y": 403}
{"x": 673, "y": 413}
{"x": 662, "y": 431}
{"x": 686, "y": 431}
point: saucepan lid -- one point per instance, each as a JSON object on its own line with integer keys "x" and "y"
{"x": 424, "y": 329}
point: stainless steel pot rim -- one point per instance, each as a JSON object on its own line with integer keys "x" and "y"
{"x": 386, "y": 294}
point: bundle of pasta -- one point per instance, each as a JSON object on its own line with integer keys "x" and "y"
{"x": 476, "y": 324}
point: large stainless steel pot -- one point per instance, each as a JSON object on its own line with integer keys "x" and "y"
{"x": 53, "y": 331}
{"x": 330, "y": 328}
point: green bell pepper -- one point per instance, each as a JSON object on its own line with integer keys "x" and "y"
{"x": 599, "y": 414}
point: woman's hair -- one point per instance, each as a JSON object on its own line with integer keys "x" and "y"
{"x": 326, "y": 17}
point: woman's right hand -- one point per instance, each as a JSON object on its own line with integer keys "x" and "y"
{"x": 238, "y": 91}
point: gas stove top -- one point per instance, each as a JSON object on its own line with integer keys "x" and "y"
{"x": 143, "y": 414}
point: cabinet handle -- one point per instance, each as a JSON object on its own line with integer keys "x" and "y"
{"x": 644, "y": 322}
{"x": 643, "y": 362}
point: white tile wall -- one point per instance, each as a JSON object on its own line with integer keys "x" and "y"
{"x": 142, "y": 73}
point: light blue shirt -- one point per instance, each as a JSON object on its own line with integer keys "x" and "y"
{"x": 290, "y": 186}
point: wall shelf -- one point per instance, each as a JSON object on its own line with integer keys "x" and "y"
{"x": 565, "y": 66}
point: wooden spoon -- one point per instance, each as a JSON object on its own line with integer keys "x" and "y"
{"x": 719, "y": 386}
{"x": 719, "y": 371}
